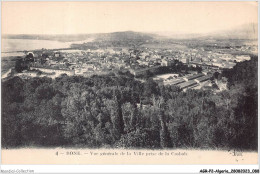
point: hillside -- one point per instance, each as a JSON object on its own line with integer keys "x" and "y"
{"x": 103, "y": 112}
{"x": 117, "y": 39}
{"x": 124, "y": 36}
{"x": 247, "y": 31}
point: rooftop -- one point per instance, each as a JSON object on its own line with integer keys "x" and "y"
{"x": 203, "y": 78}
{"x": 175, "y": 82}
{"x": 194, "y": 76}
{"x": 187, "y": 84}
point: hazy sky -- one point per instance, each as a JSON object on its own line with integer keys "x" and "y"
{"x": 101, "y": 17}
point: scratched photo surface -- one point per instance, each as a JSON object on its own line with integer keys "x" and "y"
{"x": 129, "y": 83}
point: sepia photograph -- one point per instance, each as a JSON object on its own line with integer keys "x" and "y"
{"x": 129, "y": 82}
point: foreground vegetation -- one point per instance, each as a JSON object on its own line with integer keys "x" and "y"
{"x": 118, "y": 111}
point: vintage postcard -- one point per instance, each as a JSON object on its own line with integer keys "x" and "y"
{"x": 129, "y": 82}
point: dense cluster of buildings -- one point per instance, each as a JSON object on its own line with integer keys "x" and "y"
{"x": 107, "y": 59}
{"x": 137, "y": 61}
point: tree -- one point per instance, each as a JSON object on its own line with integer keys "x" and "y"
{"x": 118, "y": 116}
{"x": 20, "y": 65}
{"x": 135, "y": 139}
{"x": 165, "y": 139}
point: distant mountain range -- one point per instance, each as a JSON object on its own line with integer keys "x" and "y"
{"x": 249, "y": 31}
{"x": 125, "y": 36}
